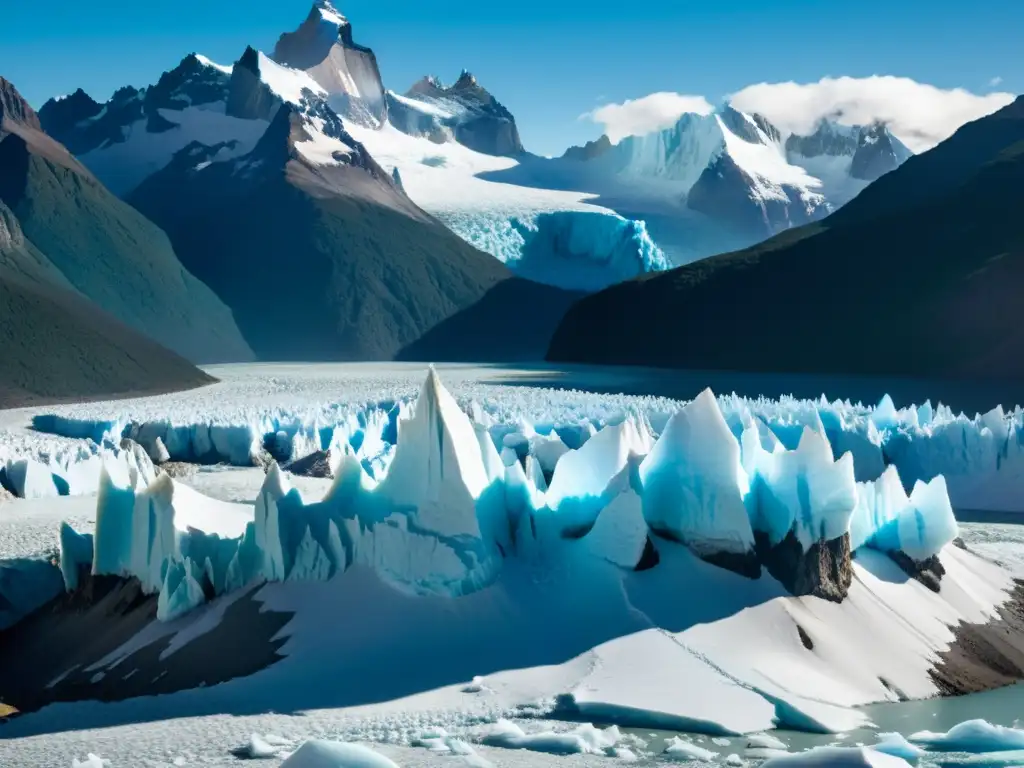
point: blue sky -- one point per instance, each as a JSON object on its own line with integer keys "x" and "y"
{"x": 548, "y": 61}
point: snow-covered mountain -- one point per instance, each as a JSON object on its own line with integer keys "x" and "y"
{"x": 323, "y": 48}
{"x": 739, "y": 170}
{"x": 708, "y": 184}
{"x": 138, "y": 131}
{"x": 464, "y": 112}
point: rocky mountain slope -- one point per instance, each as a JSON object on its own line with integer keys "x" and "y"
{"x": 918, "y": 275}
{"x": 311, "y": 243}
{"x": 101, "y": 247}
{"x": 464, "y": 112}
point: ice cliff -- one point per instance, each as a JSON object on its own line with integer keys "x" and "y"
{"x": 576, "y": 250}
{"x": 449, "y": 502}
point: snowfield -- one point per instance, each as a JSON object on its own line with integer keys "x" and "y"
{"x": 492, "y": 560}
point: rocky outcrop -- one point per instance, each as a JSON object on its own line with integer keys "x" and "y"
{"x": 929, "y": 572}
{"x": 825, "y": 570}
{"x": 316, "y": 464}
{"x": 248, "y": 96}
{"x": 14, "y": 109}
{"x": 877, "y": 153}
{"x": 727, "y": 193}
{"x": 466, "y": 111}
{"x": 589, "y": 151}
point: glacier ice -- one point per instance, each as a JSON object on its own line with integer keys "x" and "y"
{"x": 445, "y": 513}
{"x": 980, "y": 457}
{"x": 335, "y": 754}
{"x": 885, "y": 518}
{"x": 575, "y": 250}
{"x": 971, "y": 736}
{"x": 837, "y": 757}
{"x": 694, "y": 485}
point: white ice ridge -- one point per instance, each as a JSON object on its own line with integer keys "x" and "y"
{"x": 443, "y": 511}
{"x": 293, "y": 413}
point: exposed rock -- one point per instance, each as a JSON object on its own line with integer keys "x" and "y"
{"x": 179, "y": 469}
{"x": 476, "y": 119}
{"x": 263, "y": 460}
{"x": 317, "y": 464}
{"x": 985, "y": 656}
{"x": 959, "y": 542}
{"x": 825, "y": 571}
{"x": 929, "y": 572}
{"x": 589, "y": 151}
{"x": 743, "y": 563}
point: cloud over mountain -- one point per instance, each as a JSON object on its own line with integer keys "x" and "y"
{"x": 921, "y": 115}
{"x": 655, "y": 112}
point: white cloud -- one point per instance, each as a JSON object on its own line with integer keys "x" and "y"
{"x": 646, "y": 115}
{"x": 920, "y": 115}
{"x": 995, "y": 82}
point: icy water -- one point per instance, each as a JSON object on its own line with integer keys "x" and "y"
{"x": 1002, "y": 542}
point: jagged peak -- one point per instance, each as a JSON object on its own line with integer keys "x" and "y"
{"x": 328, "y": 12}
{"x": 14, "y": 108}
{"x": 466, "y": 79}
{"x": 250, "y": 60}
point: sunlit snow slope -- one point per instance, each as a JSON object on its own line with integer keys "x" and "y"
{"x": 472, "y": 541}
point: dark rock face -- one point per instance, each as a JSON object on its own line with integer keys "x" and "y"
{"x": 724, "y": 191}
{"x": 929, "y": 572}
{"x": 825, "y": 571}
{"x": 738, "y": 123}
{"x": 14, "y": 109}
{"x": 248, "y": 97}
{"x": 317, "y": 464}
{"x": 877, "y": 153}
{"x": 589, "y": 151}
{"x": 324, "y": 48}
{"x": 478, "y": 120}
{"x": 985, "y": 656}
{"x": 190, "y": 84}
{"x": 82, "y": 124}
{"x": 827, "y": 139}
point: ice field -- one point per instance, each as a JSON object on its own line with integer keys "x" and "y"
{"x": 494, "y": 568}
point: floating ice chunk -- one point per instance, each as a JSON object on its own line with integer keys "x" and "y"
{"x": 896, "y": 744}
{"x": 586, "y": 739}
{"x": 765, "y": 741}
{"x": 30, "y": 480}
{"x": 75, "y": 554}
{"x": 694, "y": 487}
{"x": 683, "y": 749}
{"x": 971, "y": 736}
{"x": 620, "y": 534}
{"x": 837, "y": 757}
{"x": 263, "y": 747}
{"x": 91, "y": 761}
{"x": 734, "y": 760}
{"x": 335, "y": 754}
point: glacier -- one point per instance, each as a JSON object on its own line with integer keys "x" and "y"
{"x": 443, "y": 511}
{"x": 576, "y": 250}
{"x": 484, "y": 528}
{"x": 290, "y": 413}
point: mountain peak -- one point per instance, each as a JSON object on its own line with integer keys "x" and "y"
{"x": 323, "y": 48}
{"x": 466, "y": 80}
{"x": 14, "y": 109}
